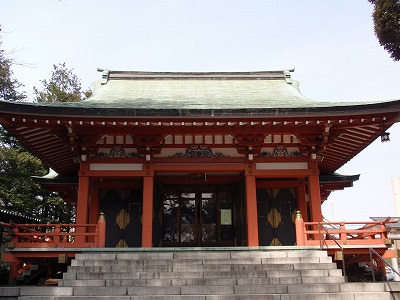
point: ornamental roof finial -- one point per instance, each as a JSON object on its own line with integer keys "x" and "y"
{"x": 288, "y": 77}
{"x": 104, "y": 76}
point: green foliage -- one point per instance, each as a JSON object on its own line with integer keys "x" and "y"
{"x": 7, "y": 139}
{"x": 386, "y": 17}
{"x": 8, "y": 85}
{"x": 18, "y": 191}
{"x": 4, "y": 272}
{"x": 63, "y": 86}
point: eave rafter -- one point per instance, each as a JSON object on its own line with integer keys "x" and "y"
{"x": 348, "y": 144}
{"x": 148, "y": 145}
{"x": 193, "y": 122}
{"x": 44, "y": 144}
{"x": 49, "y": 144}
{"x": 336, "y": 137}
{"x": 342, "y": 148}
{"x": 249, "y": 144}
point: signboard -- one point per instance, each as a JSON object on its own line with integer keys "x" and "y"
{"x": 226, "y": 217}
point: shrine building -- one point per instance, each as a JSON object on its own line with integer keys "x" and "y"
{"x": 196, "y": 159}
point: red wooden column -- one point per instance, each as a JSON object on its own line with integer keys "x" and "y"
{"x": 301, "y": 200}
{"x": 315, "y": 198}
{"x": 251, "y": 211}
{"x": 147, "y": 219}
{"x": 94, "y": 204}
{"x": 82, "y": 205}
{"x": 94, "y": 209}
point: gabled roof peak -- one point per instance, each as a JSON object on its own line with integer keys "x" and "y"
{"x": 145, "y": 75}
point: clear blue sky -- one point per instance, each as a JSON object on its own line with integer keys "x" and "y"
{"x": 330, "y": 43}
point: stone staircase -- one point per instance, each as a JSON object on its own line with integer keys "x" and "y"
{"x": 205, "y": 275}
{"x": 31, "y": 274}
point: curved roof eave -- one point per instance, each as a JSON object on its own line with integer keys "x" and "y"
{"x": 81, "y": 111}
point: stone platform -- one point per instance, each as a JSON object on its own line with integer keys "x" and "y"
{"x": 272, "y": 273}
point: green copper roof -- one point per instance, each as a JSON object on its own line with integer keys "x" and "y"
{"x": 234, "y": 90}
{"x": 130, "y": 93}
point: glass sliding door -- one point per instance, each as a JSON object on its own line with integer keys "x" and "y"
{"x": 197, "y": 215}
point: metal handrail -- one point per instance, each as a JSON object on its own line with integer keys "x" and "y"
{"x": 381, "y": 258}
{"x": 340, "y": 247}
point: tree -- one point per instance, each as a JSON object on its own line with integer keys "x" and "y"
{"x": 386, "y": 16}
{"x": 63, "y": 86}
{"x": 9, "y": 86}
{"x": 18, "y": 191}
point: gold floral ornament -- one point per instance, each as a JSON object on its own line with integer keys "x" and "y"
{"x": 122, "y": 219}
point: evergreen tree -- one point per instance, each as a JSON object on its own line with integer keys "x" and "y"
{"x": 18, "y": 191}
{"x": 63, "y": 86}
{"x": 9, "y": 86}
{"x": 386, "y": 17}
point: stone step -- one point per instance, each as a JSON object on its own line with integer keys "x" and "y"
{"x": 34, "y": 267}
{"x": 200, "y": 281}
{"x": 164, "y": 262}
{"x": 93, "y": 298}
{"x": 205, "y": 274}
{"x": 314, "y": 296}
{"x": 199, "y": 255}
{"x": 325, "y": 296}
{"x": 205, "y": 290}
{"x": 341, "y": 291}
{"x": 201, "y": 268}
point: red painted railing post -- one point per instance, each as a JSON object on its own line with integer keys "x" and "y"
{"x": 14, "y": 239}
{"x": 101, "y": 231}
{"x": 384, "y": 234}
{"x": 300, "y": 236}
{"x": 57, "y": 231}
{"x": 14, "y": 266}
{"x": 343, "y": 234}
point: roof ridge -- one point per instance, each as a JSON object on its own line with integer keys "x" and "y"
{"x": 150, "y": 75}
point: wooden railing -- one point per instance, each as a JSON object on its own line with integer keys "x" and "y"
{"x": 57, "y": 235}
{"x": 344, "y": 233}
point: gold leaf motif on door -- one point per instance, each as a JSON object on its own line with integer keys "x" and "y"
{"x": 123, "y": 194}
{"x": 294, "y": 215}
{"x": 274, "y": 218}
{"x": 275, "y": 242}
{"x": 272, "y": 193}
{"x": 121, "y": 244}
{"x": 123, "y": 219}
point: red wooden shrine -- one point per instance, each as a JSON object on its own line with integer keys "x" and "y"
{"x": 195, "y": 160}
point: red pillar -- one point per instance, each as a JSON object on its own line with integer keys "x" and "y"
{"x": 301, "y": 200}
{"x": 251, "y": 211}
{"x": 147, "y": 219}
{"x": 299, "y": 223}
{"x": 315, "y": 198}
{"x": 94, "y": 209}
{"x": 101, "y": 231}
{"x": 82, "y": 206}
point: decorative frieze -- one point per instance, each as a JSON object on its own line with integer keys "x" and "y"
{"x": 118, "y": 152}
{"x": 280, "y": 151}
{"x": 199, "y": 151}
{"x": 116, "y": 167}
